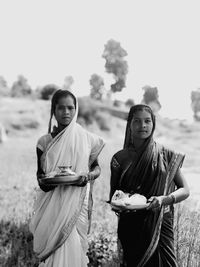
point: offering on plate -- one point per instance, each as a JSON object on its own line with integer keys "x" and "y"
{"x": 119, "y": 197}
{"x": 135, "y": 199}
{"x": 65, "y": 170}
{"x": 125, "y": 200}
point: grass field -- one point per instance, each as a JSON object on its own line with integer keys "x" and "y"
{"x": 26, "y": 121}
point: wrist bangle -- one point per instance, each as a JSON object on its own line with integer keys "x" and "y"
{"x": 173, "y": 198}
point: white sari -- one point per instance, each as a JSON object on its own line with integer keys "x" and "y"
{"x": 60, "y": 221}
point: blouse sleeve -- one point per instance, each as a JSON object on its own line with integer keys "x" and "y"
{"x": 96, "y": 145}
{"x": 115, "y": 176}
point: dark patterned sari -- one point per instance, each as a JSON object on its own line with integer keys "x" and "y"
{"x": 146, "y": 236}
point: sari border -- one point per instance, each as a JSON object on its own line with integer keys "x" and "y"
{"x": 65, "y": 232}
{"x": 175, "y": 163}
{"x": 90, "y": 199}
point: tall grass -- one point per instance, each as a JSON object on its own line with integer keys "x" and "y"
{"x": 16, "y": 242}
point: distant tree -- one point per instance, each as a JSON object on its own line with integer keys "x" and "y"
{"x": 68, "y": 81}
{"x": 21, "y": 87}
{"x": 47, "y": 91}
{"x": 97, "y": 86}
{"x": 150, "y": 97}
{"x": 129, "y": 102}
{"x": 114, "y": 55}
{"x": 4, "y": 90}
{"x": 195, "y": 98}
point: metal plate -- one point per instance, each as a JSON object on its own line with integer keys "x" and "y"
{"x": 59, "y": 180}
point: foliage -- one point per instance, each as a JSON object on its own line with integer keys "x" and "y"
{"x": 150, "y": 97}
{"x": 89, "y": 113}
{"x": 129, "y": 102}
{"x": 4, "y": 90}
{"x": 102, "y": 119}
{"x": 195, "y": 98}
{"x": 87, "y": 110}
{"x": 16, "y": 242}
{"x": 21, "y": 88}
{"x": 68, "y": 81}
{"x": 117, "y": 103}
{"x": 47, "y": 91}
{"x": 114, "y": 55}
{"x": 97, "y": 86}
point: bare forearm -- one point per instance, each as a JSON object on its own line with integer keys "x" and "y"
{"x": 176, "y": 196}
{"x": 94, "y": 173}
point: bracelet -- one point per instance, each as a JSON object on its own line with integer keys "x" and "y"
{"x": 173, "y": 198}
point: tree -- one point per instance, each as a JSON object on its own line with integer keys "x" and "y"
{"x": 47, "y": 91}
{"x": 114, "y": 55}
{"x": 21, "y": 87}
{"x": 195, "y": 98}
{"x": 68, "y": 81}
{"x": 4, "y": 90}
{"x": 150, "y": 97}
{"x": 129, "y": 102}
{"x": 97, "y": 86}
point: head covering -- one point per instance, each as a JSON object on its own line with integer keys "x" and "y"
{"x": 56, "y": 212}
{"x": 133, "y": 110}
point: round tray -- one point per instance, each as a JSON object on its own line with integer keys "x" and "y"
{"x": 129, "y": 207}
{"x": 59, "y": 180}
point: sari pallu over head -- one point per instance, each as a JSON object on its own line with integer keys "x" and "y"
{"x": 56, "y": 212}
{"x": 150, "y": 173}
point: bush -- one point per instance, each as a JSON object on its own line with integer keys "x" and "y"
{"x": 129, "y": 102}
{"x": 87, "y": 110}
{"x": 25, "y": 123}
{"x": 47, "y": 91}
{"x": 16, "y": 245}
{"x": 103, "y": 249}
{"x": 117, "y": 103}
{"x": 102, "y": 119}
{"x": 16, "y": 242}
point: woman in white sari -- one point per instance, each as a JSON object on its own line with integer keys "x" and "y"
{"x": 62, "y": 213}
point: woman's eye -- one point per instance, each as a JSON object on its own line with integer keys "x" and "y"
{"x": 148, "y": 121}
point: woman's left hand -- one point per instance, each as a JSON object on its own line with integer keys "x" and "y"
{"x": 155, "y": 202}
{"x": 83, "y": 179}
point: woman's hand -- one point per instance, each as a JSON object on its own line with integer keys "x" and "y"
{"x": 83, "y": 179}
{"x": 155, "y": 202}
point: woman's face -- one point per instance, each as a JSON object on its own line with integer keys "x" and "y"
{"x": 141, "y": 125}
{"x": 65, "y": 110}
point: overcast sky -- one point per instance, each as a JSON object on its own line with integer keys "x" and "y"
{"x": 46, "y": 40}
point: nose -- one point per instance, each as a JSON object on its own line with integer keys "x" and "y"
{"x": 66, "y": 111}
{"x": 143, "y": 124}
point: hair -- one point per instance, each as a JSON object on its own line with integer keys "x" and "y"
{"x": 54, "y": 101}
{"x": 134, "y": 109}
{"x": 141, "y": 107}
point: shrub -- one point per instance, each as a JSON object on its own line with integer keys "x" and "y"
{"x": 87, "y": 110}
{"x": 129, "y": 102}
{"x": 47, "y": 91}
{"x": 117, "y": 103}
{"x": 102, "y": 119}
{"x": 16, "y": 242}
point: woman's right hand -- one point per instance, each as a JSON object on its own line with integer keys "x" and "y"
{"x": 40, "y": 175}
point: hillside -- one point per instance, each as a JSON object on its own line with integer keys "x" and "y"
{"x": 26, "y": 120}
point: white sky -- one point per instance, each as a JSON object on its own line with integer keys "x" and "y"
{"x": 46, "y": 40}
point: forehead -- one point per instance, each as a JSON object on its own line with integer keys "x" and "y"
{"x": 142, "y": 114}
{"x": 65, "y": 101}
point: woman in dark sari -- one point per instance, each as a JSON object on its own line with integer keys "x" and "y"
{"x": 149, "y": 169}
